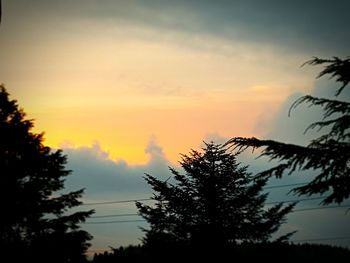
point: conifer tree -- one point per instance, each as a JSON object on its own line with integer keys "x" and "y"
{"x": 328, "y": 154}
{"x": 35, "y": 221}
{"x": 214, "y": 203}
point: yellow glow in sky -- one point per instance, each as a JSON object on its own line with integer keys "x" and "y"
{"x": 109, "y": 79}
{"x": 120, "y": 89}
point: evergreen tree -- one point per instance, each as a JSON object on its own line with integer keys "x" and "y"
{"x": 35, "y": 223}
{"x": 213, "y": 204}
{"x": 328, "y": 154}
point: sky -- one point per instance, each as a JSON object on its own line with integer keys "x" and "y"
{"x": 124, "y": 87}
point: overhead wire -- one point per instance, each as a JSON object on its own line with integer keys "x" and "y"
{"x": 148, "y": 199}
{"x": 127, "y": 221}
{"x": 117, "y": 201}
{"x": 321, "y": 239}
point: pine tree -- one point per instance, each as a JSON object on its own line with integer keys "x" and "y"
{"x": 214, "y": 203}
{"x": 328, "y": 154}
{"x": 35, "y": 223}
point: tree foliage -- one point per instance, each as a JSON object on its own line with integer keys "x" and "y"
{"x": 247, "y": 252}
{"x": 328, "y": 154}
{"x": 35, "y": 223}
{"x": 215, "y": 203}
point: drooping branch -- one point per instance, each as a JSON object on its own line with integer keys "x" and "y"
{"x": 330, "y": 159}
{"x": 337, "y": 68}
{"x": 329, "y": 106}
{"x": 328, "y": 155}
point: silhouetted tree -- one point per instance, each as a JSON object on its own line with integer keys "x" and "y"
{"x": 246, "y": 252}
{"x": 35, "y": 224}
{"x": 213, "y": 204}
{"x": 328, "y": 154}
{"x": 122, "y": 254}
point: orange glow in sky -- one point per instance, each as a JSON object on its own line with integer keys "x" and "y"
{"x": 121, "y": 85}
{"x": 125, "y": 87}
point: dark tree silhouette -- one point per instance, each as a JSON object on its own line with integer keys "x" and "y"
{"x": 247, "y": 252}
{"x": 35, "y": 224}
{"x": 129, "y": 253}
{"x": 214, "y": 204}
{"x": 328, "y": 154}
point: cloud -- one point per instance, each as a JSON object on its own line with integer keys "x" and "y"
{"x": 315, "y": 26}
{"x": 291, "y": 128}
{"x": 93, "y": 169}
{"x": 156, "y": 153}
{"x": 108, "y": 180}
{"x": 320, "y": 223}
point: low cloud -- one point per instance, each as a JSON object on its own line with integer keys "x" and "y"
{"x": 157, "y": 156}
{"x": 291, "y": 128}
{"x": 107, "y": 180}
{"x": 93, "y": 169}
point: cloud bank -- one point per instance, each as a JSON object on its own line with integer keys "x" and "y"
{"x": 316, "y": 26}
{"x": 102, "y": 177}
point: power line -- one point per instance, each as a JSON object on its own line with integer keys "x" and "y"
{"x": 123, "y": 221}
{"x": 320, "y": 208}
{"x": 148, "y": 199}
{"x": 118, "y": 201}
{"x": 115, "y": 222}
{"x": 321, "y": 239}
{"x": 294, "y": 200}
{"x": 269, "y": 203}
{"x": 117, "y": 215}
{"x": 284, "y": 185}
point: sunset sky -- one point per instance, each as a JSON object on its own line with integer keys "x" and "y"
{"x": 124, "y": 87}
